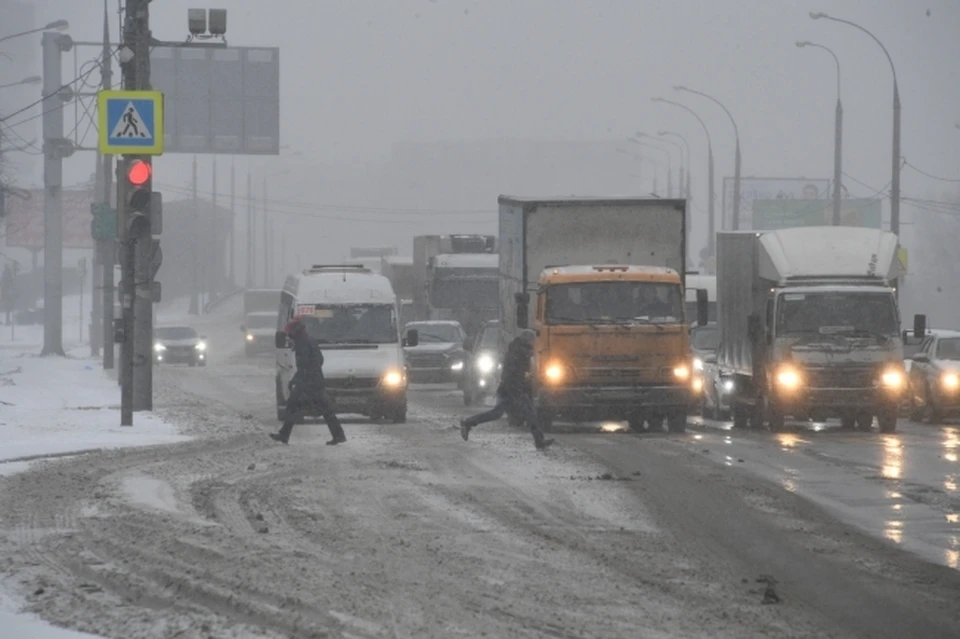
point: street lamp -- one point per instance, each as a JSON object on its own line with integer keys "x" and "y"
{"x": 837, "y": 135}
{"x": 895, "y": 179}
{"x": 636, "y": 140}
{"x": 33, "y": 79}
{"x": 711, "y": 225}
{"x": 682, "y": 161}
{"x": 664, "y": 134}
{"x": 736, "y": 166}
{"x": 58, "y": 25}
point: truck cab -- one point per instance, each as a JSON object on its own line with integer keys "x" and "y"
{"x": 612, "y": 343}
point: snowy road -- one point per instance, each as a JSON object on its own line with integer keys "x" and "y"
{"x": 407, "y": 531}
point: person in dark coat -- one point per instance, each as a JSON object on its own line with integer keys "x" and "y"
{"x": 307, "y": 387}
{"x": 514, "y": 391}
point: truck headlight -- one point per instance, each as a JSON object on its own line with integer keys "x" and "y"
{"x": 457, "y": 366}
{"x": 159, "y": 348}
{"x": 485, "y": 364}
{"x": 892, "y": 379}
{"x": 681, "y": 372}
{"x": 201, "y": 346}
{"x": 554, "y": 373}
{"x": 697, "y": 384}
{"x": 727, "y": 386}
{"x": 697, "y": 364}
{"x": 788, "y": 378}
{"x": 393, "y": 379}
{"x": 950, "y": 381}
{"x": 249, "y": 337}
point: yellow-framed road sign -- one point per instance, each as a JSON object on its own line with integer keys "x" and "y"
{"x": 131, "y": 122}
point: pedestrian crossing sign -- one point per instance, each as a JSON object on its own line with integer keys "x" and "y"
{"x": 131, "y": 122}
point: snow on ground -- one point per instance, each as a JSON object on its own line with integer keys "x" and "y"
{"x": 17, "y": 625}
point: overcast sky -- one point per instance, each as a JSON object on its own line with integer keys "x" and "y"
{"x": 360, "y": 75}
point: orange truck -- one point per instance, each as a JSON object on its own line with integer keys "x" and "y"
{"x": 601, "y": 281}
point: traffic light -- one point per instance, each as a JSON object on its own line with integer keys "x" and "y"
{"x": 138, "y": 177}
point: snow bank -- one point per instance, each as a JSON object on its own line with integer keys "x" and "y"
{"x": 32, "y": 627}
{"x": 54, "y": 406}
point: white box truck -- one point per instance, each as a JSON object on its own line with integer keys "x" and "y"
{"x": 809, "y": 325}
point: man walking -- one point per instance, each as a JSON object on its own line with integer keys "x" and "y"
{"x": 513, "y": 392}
{"x": 307, "y": 387}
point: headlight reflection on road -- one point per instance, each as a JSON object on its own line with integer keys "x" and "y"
{"x": 894, "y": 531}
{"x": 950, "y": 444}
{"x": 892, "y": 457}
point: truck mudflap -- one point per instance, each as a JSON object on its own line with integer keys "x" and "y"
{"x": 616, "y": 401}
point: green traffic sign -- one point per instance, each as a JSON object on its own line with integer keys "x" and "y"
{"x": 104, "y": 223}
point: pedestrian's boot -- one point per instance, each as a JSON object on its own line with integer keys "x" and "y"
{"x": 337, "y": 439}
{"x": 542, "y": 444}
{"x": 283, "y": 435}
{"x": 464, "y": 430}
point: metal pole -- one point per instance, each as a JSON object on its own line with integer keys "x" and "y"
{"x": 837, "y": 162}
{"x": 895, "y": 181}
{"x": 213, "y": 255}
{"x": 233, "y": 224}
{"x": 109, "y": 257}
{"x": 52, "y": 197}
{"x": 250, "y": 230}
{"x": 127, "y": 268}
{"x": 195, "y": 283}
{"x": 711, "y": 225}
{"x": 266, "y": 239}
{"x": 736, "y": 189}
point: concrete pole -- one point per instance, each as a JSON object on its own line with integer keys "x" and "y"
{"x": 837, "y": 162}
{"x": 108, "y": 252}
{"x": 250, "y": 230}
{"x": 212, "y": 255}
{"x": 195, "y": 280}
{"x": 266, "y": 239}
{"x": 52, "y": 196}
{"x": 233, "y": 225}
{"x": 711, "y": 219}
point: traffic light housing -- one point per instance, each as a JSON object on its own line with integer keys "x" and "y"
{"x": 139, "y": 178}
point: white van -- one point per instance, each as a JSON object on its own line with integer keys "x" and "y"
{"x": 352, "y": 314}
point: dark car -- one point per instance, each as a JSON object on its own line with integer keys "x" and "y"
{"x": 439, "y": 355}
{"x": 179, "y": 345}
{"x": 480, "y": 370}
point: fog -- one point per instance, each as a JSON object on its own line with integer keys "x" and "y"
{"x": 402, "y": 117}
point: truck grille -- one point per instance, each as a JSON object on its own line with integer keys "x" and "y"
{"x": 841, "y": 377}
{"x": 426, "y": 360}
{"x": 351, "y": 383}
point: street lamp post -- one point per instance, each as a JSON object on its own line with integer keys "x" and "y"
{"x": 736, "y": 166}
{"x": 58, "y": 25}
{"x": 686, "y": 145}
{"x": 837, "y": 136}
{"x": 635, "y": 140}
{"x": 640, "y": 160}
{"x": 895, "y": 178}
{"x": 683, "y": 162}
{"x": 711, "y": 224}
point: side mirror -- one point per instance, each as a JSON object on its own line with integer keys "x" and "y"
{"x": 412, "y": 338}
{"x": 919, "y": 325}
{"x": 753, "y": 327}
{"x": 710, "y": 359}
{"x": 921, "y": 358}
{"x": 280, "y": 339}
{"x": 703, "y": 315}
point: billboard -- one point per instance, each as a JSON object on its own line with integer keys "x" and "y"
{"x": 769, "y": 215}
{"x": 772, "y": 188}
{"x": 219, "y": 100}
{"x": 24, "y": 220}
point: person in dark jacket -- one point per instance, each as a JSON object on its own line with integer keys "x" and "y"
{"x": 514, "y": 391}
{"x": 307, "y": 387}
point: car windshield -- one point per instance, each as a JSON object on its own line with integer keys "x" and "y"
{"x": 174, "y": 332}
{"x": 436, "y": 333}
{"x": 949, "y": 348}
{"x": 614, "y": 302}
{"x": 705, "y": 339}
{"x": 491, "y": 337}
{"x": 261, "y": 321}
{"x": 849, "y": 314}
{"x": 350, "y": 323}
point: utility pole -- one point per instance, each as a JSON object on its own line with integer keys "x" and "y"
{"x": 266, "y": 239}
{"x": 233, "y": 223}
{"x": 55, "y": 148}
{"x": 195, "y": 281}
{"x": 108, "y": 250}
{"x": 210, "y": 264}
{"x": 837, "y": 161}
{"x": 136, "y": 37}
{"x": 250, "y": 230}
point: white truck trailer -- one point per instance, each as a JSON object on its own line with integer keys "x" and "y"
{"x": 809, "y": 325}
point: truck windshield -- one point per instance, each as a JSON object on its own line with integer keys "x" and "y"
{"x": 614, "y": 302}
{"x": 837, "y": 313}
{"x": 465, "y": 292}
{"x": 351, "y": 323}
{"x": 261, "y": 321}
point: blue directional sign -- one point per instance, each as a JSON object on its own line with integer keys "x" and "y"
{"x": 131, "y": 122}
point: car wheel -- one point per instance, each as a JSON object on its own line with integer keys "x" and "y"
{"x": 400, "y": 416}
{"x": 887, "y": 419}
{"x": 655, "y": 423}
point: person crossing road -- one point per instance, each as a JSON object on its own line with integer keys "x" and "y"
{"x": 307, "y": 387}
{"x": 514, "y": 392}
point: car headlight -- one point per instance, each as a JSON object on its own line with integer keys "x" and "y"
{"x": 485, "y": 364}
{"x": 249, "y": 337}
{"x": 950, "y": 381}
{"x": 727, "y": 386}
{"x": 681, "y": 372}
{"x": 892, "y": 379}
{"x": 697, "y": 364}
{"x": 457, "y": 365}
{"x": 788, "y": 378}
{"x": 554, "y": 373}
{"x": 393, "y": 379}
{"x": 158, "y": 347}
{"x": 201, "y": 346}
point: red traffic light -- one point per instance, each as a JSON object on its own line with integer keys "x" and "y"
{"x": 139, "y": 172}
